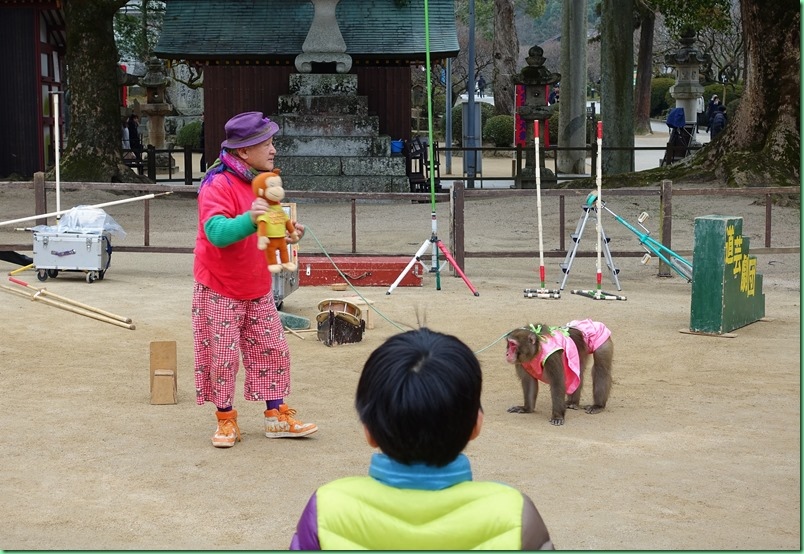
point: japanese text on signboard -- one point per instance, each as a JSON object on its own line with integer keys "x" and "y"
{"x": 741, "y": 264}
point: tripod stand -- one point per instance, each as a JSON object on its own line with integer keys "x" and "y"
{"x": 437, "y": 245}
{"x": 433, "y": 240}
{"x": 589, "y": 210}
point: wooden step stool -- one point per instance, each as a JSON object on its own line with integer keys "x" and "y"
{"x": 163, "y": 372}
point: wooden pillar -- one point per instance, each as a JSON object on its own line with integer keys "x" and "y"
{"x": 665, "y": 222}
{"x": 456, "y": 238}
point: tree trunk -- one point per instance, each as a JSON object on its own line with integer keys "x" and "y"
{"x": 617, "y": 86}
{"x": 761, "y": 145}
{"x": 572, "y": 113}
{"x": 94, "y": 145}
{"x": 644, "y": 72}
{"x": 506, "y": 54}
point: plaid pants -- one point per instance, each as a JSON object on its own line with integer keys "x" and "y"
{"x": 223, "y": 329}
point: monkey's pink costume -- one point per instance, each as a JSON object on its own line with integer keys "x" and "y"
{"x": 557, "y": 340}
{"x": 594, "y": 332}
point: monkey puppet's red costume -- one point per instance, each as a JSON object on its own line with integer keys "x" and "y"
{"x": 272, "y": 225}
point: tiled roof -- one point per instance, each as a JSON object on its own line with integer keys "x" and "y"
{"x": 207, "y": 30}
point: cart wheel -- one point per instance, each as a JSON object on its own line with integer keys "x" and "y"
{"x": 41, "y": 275}
{"x": 52, "y": 273}
{"x": 90, "y": 276}
{"x": 101, "y": 273}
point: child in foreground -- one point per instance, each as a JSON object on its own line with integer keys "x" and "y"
{"x": 418, "y": 398}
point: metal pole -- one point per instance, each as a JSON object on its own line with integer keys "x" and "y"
{"x": 104, "y": 204}
{"x": 470, "y": 97}
{"x": 598, "y": 208}
{"x": 57, "y": 145}
{"x": 448, "y": 117}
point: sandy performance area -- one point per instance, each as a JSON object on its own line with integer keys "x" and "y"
{"x": 699, "y": 447}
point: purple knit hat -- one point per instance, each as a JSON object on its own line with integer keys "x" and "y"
{"x": 247, "y": 129}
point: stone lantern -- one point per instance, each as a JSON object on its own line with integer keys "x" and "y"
{"x": 536, "y": 80}
{"x": 155, "y": 82}
{"x": 324, "y": 45}
{"x": 687, "y": 61}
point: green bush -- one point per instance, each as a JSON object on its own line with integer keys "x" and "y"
{"x": 733, "y": 92}
{"x": 499, "y": 130}
{"x": 660, "y": 99}
{"x": 189, "y": 135}
{"x": 439, "y": 102}
{"x": 552, "y": 123}
{"x": 486, "y": 113}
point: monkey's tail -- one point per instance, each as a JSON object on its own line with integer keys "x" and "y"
{"x": 577, "y": 337}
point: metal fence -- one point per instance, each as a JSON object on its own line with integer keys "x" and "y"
{"x": 148, "y": 164}
{"x": 456, "y": 196}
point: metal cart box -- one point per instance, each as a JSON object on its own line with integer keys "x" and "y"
{"x": 284, "y": 283}
{"x": 54, "y": 252}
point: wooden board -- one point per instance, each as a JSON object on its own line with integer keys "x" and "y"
{"x": 163, "y": 356}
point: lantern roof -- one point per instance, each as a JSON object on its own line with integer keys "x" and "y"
{"x": 273, "y": 31}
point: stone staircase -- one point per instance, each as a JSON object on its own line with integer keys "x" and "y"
{"x": 329, "y": 142}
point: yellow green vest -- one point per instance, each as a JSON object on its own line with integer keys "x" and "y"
{"x": 362, "y": 513}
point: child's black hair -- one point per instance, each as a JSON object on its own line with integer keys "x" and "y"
{"x": 419, "y": 396}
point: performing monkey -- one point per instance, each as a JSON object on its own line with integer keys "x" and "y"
{"x": 557, "y": 356}
{"x": 550, "y": 355}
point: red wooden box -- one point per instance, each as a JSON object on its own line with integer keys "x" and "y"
{"x": 362, "y": 271}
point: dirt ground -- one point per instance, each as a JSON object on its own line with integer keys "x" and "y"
{"x": 699, "y": 447}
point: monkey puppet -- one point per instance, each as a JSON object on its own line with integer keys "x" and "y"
{"x": 550, "y": 355}
{"x": 272, "y": 225}
{"x": 597, "y": 338}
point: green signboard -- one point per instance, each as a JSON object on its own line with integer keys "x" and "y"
{"x": 726, "y": 288}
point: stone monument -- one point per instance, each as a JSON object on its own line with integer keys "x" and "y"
{"x": 536, "y": 80}
{"x": 328, "y": 140}
{"x": 687, "y": 61}
{"x": 155, "y": 82}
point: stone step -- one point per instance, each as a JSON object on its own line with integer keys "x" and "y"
{"x": 345, "y": 183}
{"x": 333, "y": 146}
{"x": 318, "y": 84}
{"x": 322, "y": 105}
{"x": 382, "y": 165}
{"x": 340, "y": 165}
{"x": 330, "y": 125}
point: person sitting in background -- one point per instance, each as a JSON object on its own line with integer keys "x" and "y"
{"x": 481, "y": 86}
{"x": 711, "y": 110}
{"x": 553, "y": 96}
{"x": 418, "y": 398}
{"x": 134, "y": 135}
{"x": 718, "y": 122}
{"x": 126, "y": 144}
